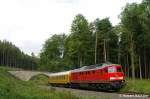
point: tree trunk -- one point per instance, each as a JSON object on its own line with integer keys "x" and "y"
{"x": 105, "y": 57}
{"x": 140, "y": 67}
{"x": 80, "y": 62}
{"x": 145, "y": 64}
{"x": 80, "y": 59}
{"x": 132, "y": 55}
{"x": 3, "y": 58}
{"x": 95, "y": 47}
{"x": 107, "y": 50}
{"x": 128, "y": 72}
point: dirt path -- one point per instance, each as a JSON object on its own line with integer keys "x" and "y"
{"x": 26, "y": 75}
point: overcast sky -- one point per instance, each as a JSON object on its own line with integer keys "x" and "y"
{"x": 28, "y": 23}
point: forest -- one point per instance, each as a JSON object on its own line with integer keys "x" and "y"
{"x": 97, "y": 42}
{"x": 12, "y": 56}
{"x": 88, "y": 43}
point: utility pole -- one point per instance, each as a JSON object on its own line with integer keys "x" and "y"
{"x": 105, "y": 57}
{"x": 119, "y": 39}
{"x": 95, "y": 47}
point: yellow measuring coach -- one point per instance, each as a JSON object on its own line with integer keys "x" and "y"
{"x": 60, "y": 78}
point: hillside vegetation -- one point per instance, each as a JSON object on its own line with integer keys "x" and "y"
{"x": 137, "y": 86}
{"x": 12, "y": 88}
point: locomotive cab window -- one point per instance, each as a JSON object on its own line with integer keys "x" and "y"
{"x": 111, "y": 69}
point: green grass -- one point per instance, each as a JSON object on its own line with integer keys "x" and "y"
{"x": 40, "y": 79}
{"x": 12, "y": 88}
{"x": 137, "y": 86}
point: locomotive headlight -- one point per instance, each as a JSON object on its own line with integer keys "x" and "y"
{"x": 116, "y": 78}
{"x": 112, "y": 78}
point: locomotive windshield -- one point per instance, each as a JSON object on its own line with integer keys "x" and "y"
{"x": 111, "y": 69}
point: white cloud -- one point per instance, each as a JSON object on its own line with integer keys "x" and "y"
{"x": 28, "y": 23}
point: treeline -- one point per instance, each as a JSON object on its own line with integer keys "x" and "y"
{"x": 12, "y": 56}
{"x": 135, "y": 44}
{"x": 127, "y": 43}
{"x": 87, "y": 44}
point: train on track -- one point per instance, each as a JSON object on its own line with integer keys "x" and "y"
{"x": 105, "y": 76}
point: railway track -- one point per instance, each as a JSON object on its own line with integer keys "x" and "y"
{"x": 98, "y": 94}
{"x": 26, "y": 75}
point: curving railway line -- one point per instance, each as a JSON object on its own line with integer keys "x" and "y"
{"x": 26, "y": 75}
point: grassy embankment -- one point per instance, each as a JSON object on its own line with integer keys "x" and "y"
{"x": 12, "y": 88}
{"x": 137, "y": 86}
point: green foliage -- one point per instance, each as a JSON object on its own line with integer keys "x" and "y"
{"x": 106, "y": 34}
{"x": 77, "y": 48}
{"x": 80, "y": 42}
{"x": 40, "y": 79}
{"x": 127, "y": 43}
{"x": 11, "y": 88}
{"x": 12, "y": 56}
{"x": 137, "y": 86}
{"x": 52, "y": 55}
{"x": 135, "y": 37}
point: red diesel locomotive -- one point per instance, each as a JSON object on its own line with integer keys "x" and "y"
{"x": 101, "y": 76}
{"x": 104, "y": 76}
